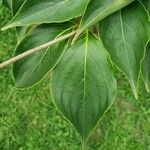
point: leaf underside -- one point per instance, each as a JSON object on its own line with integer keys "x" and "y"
{"x": 83, "y": 85}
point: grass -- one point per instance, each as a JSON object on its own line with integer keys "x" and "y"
{"x": 29, "y": 120}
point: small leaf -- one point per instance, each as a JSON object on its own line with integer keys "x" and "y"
{"x": 125, "y": 35}
{"x": 146, "y": 69}
{"x": 100, "y": 9}
{"x": 47, "y": 11}
{"x": 32, "y": 69}
{"x": 83, "y": 85}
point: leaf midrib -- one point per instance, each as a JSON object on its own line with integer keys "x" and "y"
{"x": 124, "y": 40}
{"x": 85, "y": 70}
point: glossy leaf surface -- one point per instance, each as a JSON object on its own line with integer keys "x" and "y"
{"x": 125, "y": 35}
{"x": 100, "y": 9}
{"x": 83, "y": 85}
{"x": 32, "y": 69}
{"x": 47, "y": 11}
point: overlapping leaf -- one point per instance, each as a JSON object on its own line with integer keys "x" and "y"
{"x": 32, "y": 69}
{"x": 99, "y": 9}
{"x": 47, "y": 11}
{"x": 125, "y": 35}
{"x": 16, "y": 5}
{"x": 13, "y": 5}
{"x": 146, "y": 3}
{"x": 82, "y": 84}
{"x": 7, "y": 3}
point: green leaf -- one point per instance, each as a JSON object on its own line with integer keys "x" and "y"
{"x": 47, "y": 11}
{"x": 16, "y": 4}
{"x": 125, "y": 35}
{"x": 146, "y": 3}
{"x": 32, "y": 69}
{"x": 146, "y": 69}
{"x": 82, "y": 85}
{"x": 21, "y": 32}
{"x": 100, "y": 9}
{"x": 13, "y": 5}
{"x": 7, "y": 3}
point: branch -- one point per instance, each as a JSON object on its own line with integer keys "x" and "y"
{"x": 34, "y": 50}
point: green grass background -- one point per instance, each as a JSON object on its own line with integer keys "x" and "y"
{"x": 29, "y": 120}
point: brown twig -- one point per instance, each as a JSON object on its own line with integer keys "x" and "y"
{"x": 34, "y": 50}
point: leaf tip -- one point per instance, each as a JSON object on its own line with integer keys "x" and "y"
{"x": 147, "y": 88}
{"x": 136, "y": 95}
{"x": 5, "y": 27}
{"x": 134, "y": 89}
{"x": 10, "y": 25}
{"x": 135, "y": 92}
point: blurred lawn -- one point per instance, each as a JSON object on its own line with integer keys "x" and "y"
{"x": 29, "y": 121}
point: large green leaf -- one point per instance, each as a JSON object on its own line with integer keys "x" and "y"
{"x": 32, "y": 69}
{"x": 146, "y": 69}
{"x": 47, "y": 11}
{"x": 125, "y": 35}
{"x": 83, "y": 85}
{"x": 99, "y": 9}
